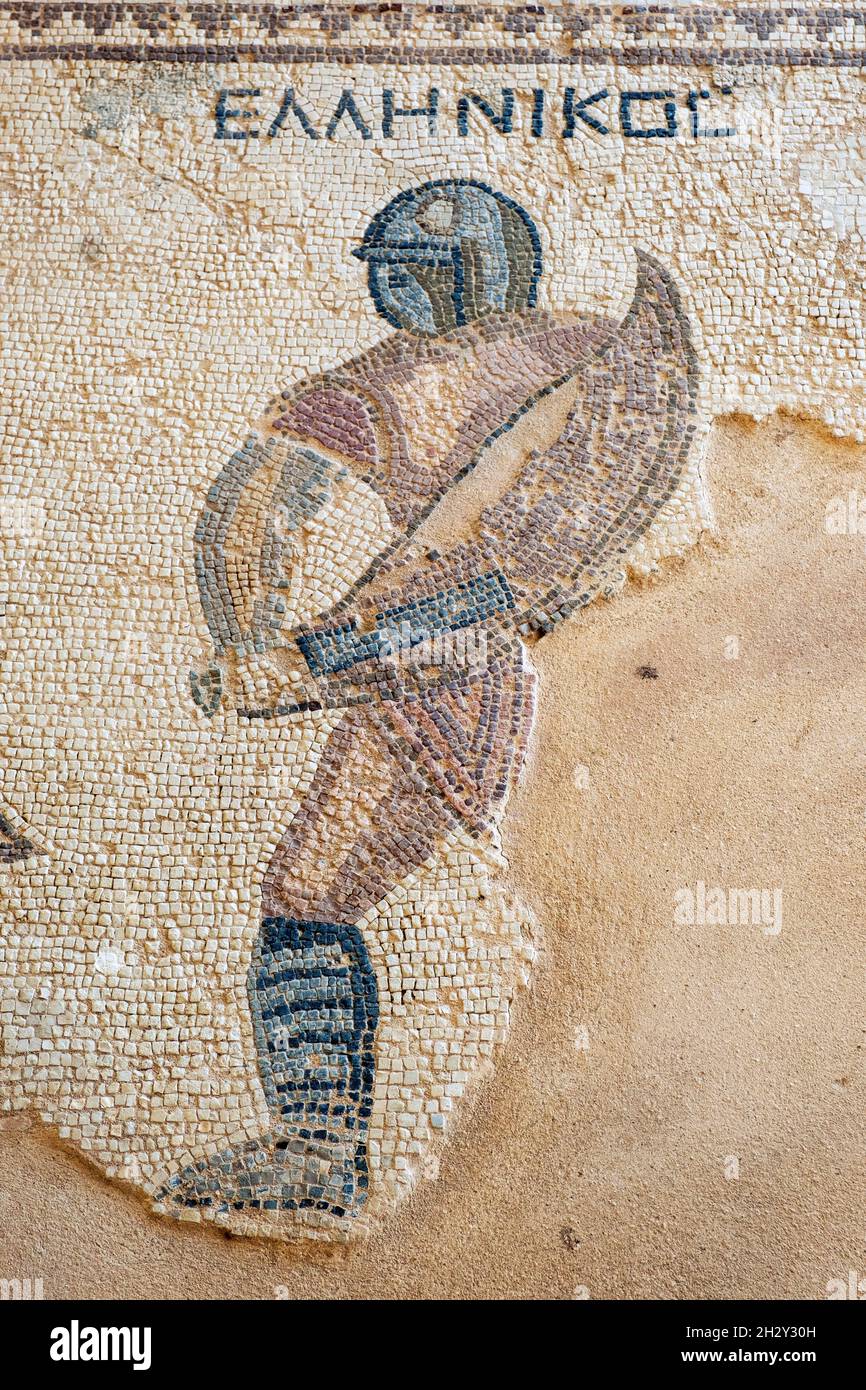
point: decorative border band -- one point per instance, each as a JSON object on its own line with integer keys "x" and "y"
{"x": 223, "y": 31}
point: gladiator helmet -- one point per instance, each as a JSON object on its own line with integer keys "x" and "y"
{"x": 449, "y": 252}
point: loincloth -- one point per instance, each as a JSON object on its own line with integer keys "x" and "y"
{"x": 464, "y": 739}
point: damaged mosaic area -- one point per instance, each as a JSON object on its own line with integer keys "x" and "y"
{"x": 265, "y": 717}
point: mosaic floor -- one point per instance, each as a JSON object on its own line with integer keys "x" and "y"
{"x": 351, "y": 352}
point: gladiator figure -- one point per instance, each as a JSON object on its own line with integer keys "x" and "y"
{"x": 508, "y": 459}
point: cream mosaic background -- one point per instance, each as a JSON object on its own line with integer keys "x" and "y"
{"x": 159, "y": 288}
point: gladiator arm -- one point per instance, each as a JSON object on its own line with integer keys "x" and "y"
{"x": 243, "y": 554}
{"x": 244, "y": 537}
{"x": 211, "y": 532}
